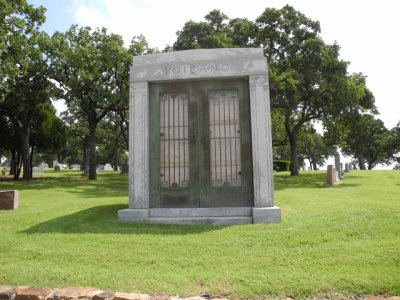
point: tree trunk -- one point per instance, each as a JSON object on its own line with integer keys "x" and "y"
{"x": 19, "y": 166}
{"x": 92, "y": 146}
{"x": 115, "y": 159}
{"x": 26, "y": 154}
{"x": 294, "y": 163}
{"x": 31, "y": 160}
{"x": 85, "y": 162}
{"x": 361, "y": 162}
{"x": 13, "y": 165}
{"x": 314, "y": 163}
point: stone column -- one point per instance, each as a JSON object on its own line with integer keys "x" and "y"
{"x": 261, "y": 137}
{"x": 138, "y": 153}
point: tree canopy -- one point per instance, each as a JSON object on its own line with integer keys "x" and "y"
{"x": 89, "y": 69}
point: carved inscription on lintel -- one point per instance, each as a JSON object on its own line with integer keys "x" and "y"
{"x": 194, "y": 68}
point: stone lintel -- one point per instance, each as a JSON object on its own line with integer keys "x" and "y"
{"x": 200, "y": 63}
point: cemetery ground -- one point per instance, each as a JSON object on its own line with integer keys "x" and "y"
{"x": 341, "y": 241}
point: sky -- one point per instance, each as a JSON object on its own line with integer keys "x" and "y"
{"x": 367, "y": 31}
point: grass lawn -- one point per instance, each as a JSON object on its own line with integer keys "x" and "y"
{"x": 332, "y": 242}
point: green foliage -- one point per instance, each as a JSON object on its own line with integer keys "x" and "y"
{"x": 28, "y": 90}
{"x": 308, "y": 81}
{"x": 369, "y": 139}
{"x": 214, "y": 33}
{"x": 281, "y": 165}
{"x": 19, "y": 23}
{"x": 319, "y": 250}
{"x": 92, "y": 68}
{"x": 314, "y": 147}
{"x": 306, "y": 74}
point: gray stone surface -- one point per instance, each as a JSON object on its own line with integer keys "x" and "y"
{"x": 202, "y": 220}
{"x": 215, "y": 216}
{"x": 107, "y": 167}
{"x": 201, "y": 63}
{"x": 139, "y": 145}
{"x": 263, "y": 175}
{"x": 200, "y": 212}
{"x": 9, "y": 199}
{"x": 198, "y": 64}
{"x": 36, "y": 169}
{"x": 266, "y": 214}
{"x": 133, "y": 215}
{"x": 330, "y": 175}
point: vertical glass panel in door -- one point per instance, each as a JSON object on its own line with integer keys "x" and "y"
{"x": 224, "y": 118}
{"x": 174, "y": 141}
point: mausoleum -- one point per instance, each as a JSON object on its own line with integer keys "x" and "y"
{"x": 200, "y": 149}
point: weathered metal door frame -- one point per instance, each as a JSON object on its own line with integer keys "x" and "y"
{"x": 193, "y": 139}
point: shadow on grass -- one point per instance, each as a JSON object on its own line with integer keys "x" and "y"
{"x": 103, "y": 219}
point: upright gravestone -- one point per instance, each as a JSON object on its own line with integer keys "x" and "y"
{"x": 200, "y": 148}
{"x": 37, "y": 169}
{"x": 346, "y": 167}
{"x": 330, "y": 175}
{"x": 337, "y": 166}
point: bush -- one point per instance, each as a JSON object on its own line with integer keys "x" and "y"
{"x": 281, "y": 165}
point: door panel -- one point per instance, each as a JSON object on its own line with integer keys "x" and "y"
{"x": 200, "y": 147}
{"x": 226, "y": 155}
{"x": 173, "y": 145}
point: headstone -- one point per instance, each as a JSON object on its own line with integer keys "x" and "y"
{"x": 225, "y": 80}
{"x": 44, "y": 165}
{"x": 107, "y": 167}
{"x": 330, "y": 175}
{"x": 346, "y": 167}
{"x": 100, "y": 167}
{"x": 75, "y": 167}
{"x": 337, "y": 166}
{"x": 57, "y": 168}
{"x": 9, "y": 199}
{"x": 55, "y": 163}
{"x": 37, "y": 169}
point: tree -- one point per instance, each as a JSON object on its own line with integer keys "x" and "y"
{"x": 48, "y": 134}
{"x": 314, "y": 148}
{"x": 30, "y": 88}
{"x": 19, "y": 22}
{"x": 308, "y": 80}
{"x": 395, "y": 138}
{"x": 368, "y": 140}
{"x": 92, "y": 69}
{"x": 214, "y": 33}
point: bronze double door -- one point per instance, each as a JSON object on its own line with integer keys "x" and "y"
{"x": 200, "y": 144}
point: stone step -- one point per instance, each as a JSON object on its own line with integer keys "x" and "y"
{"x": 200, "y": 212}
{"x": 201, "y": 220}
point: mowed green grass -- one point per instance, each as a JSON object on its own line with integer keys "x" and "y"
{"x": 332, "y": 242}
